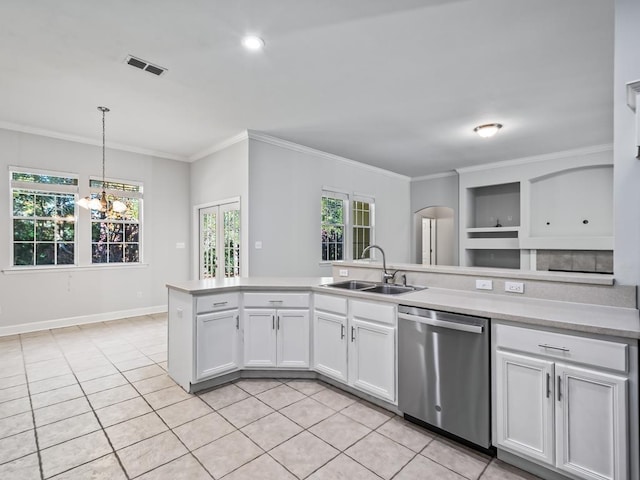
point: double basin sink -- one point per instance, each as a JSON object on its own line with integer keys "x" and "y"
{"x": 370, "y": 287}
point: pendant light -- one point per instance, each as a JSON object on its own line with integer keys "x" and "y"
{"x": 102, "y": 204}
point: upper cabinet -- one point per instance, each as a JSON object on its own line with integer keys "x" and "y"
{"x": 514, "y": 211}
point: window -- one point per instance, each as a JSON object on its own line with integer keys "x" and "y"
{"x": 219, "y": 226}
{"x": 333, "y": 225}
{"x": 116, "y": 237}
{"x": 43, "y": 218}
{"x": 362, "y": 215}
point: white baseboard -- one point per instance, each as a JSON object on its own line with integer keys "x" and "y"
{"x": 81, "y": 320}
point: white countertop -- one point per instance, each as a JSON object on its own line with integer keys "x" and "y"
{"x": 602, "y": 320}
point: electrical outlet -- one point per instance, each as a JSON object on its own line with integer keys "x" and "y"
{"x": 514, "y": 287}
{"x": 484, "y": 284}
{"x": 344, "y": 272}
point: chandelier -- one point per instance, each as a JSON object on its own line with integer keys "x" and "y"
{"x": 103, "y": 204}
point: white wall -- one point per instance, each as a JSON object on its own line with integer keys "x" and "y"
{"x": 219, "y": 176}
{"x": 91, "y": 291}
{"x": 440, "y": 191}
{"x": 626, "y": 176}
{"x": 286, "y": 186}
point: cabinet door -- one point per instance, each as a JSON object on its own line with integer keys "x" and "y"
{"x": 524, "y": 405}
{"x": 217, "y": 343}
{"x": 372, "y": 358}
{"x": 591, "y": 423}
{"x": 330, "y": 345}
{"x": 259, "y": 338}
{"x": 293, "y": 338}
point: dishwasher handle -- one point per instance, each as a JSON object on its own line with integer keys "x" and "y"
{"x": 463, "y": 327}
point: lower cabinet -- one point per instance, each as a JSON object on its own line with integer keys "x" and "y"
{"x": 217, "y": 338}
{"x": 570, "y": 417}
{"x": 354, "y": 342}
{"x": 276, "y": 338}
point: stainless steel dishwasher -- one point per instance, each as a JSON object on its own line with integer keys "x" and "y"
{"x": 443, "y": 372}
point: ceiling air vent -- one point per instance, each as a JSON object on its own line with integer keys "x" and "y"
{"x": 144, "y": 65}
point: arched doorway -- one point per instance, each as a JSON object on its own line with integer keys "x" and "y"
{"x": 434, "y": 227}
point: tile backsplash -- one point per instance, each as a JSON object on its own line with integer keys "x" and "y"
{"x": 591, "y": 261}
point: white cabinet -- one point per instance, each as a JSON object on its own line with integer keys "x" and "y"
{"x": 355, "y": 343}
{"x": 276, "y": 337}
{"x": 557, "y": 406}
{"x": 217, "y": 346}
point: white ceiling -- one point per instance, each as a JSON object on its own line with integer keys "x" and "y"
{"x": 398, "y": 84}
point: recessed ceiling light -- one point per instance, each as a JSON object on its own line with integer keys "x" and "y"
{"x": 487, "y": 130}
{"x": 253, "y": 43}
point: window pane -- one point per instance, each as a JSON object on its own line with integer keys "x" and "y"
{"x": 131, "y": 253}
{"x": 66, "y": 231}
{"x": 45, "y": 254}
{"x": 115, "y": 232}
{"x": 231, "y": 243}
{"x": 45, "y": 230}
{"x": 99, "y": 253}
{"x": 24, "y": 230}
{"x": 23, "y": 204}
{"x": 131, "y": 233}
{"x": 44, "y": 179}
{"x": 23, "y": 253}
{"x": 115, "y": 253}
{"x": 65, "y": 253}
{"x": 45, "y": 205}
{"x": 66, "y": 206}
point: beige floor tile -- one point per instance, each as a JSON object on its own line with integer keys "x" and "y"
{"x": 59, "y": 432}
{"x": 134, "y": 430}
{"x": 280, "y": 396}
{"x": 133, "y": 364}
{"x": 462, "y": 460}
{"x": 164, "y": 366}
{"x": 60, "y": 411}
{"x": 123, "y": 411}
{"x": 184, "y": 412}
{"x": 16, "y": 424}
{"x": 264, "y": 468}
{"x": 156, "y": 348}
{"x": 369, "y": 416}
{"x": 303, "y": 454}
{"x": 339, "y": 431}
{"x": 498, "y": 470}
{"x": 151, "y": 453}
{"x": 24, "y": 468}
{"x": 51, "y": 397}
{"x": 183, "y": 468}
{"x": 307, "y": 412}
{"x": 167, "y": 396}
{"x": 11, "y": 393}
{"x": 308, "y": 387}
{"x": 13, "y": 380}
{"x": 423, "y": 468}
{"x": 47, "y": 369}
{"x": 143, "y": 372}
{"x": 114, "y": 395}
{"x": 227, "y": 453}
{"x": 153, "y": 384}
{"x": 203, "y": 430}
{"x": 103, "y": 383}
{"x": 343, "y": 468}
{"x": 224, "y": 396}
{"x": 104, "y": 468}
{"x": 333, "y": 399}
{"x": 255, "y": 386}
{"x": 380, "y": 454}
{"x": 65, "y": 456}
{"x": 52, "y": 383}
{"x": 96, "y": 372}
{"x": 159, "y": 357}
{"x": 13, "y": 407}
{"x": 245, "y": 411}
{"x": 404, "y": 433}
{"x": 17, "y": 446}
{"x": 271, "y": 430}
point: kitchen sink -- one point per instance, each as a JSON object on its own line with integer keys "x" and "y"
{"x": 369, "y": 287}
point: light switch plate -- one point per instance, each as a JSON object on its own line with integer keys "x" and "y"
{"x": 484, "y": 284}
{"x": 344, "y": 272}
{"x": 514, "y": 287}
{"x": 258, "y": 245}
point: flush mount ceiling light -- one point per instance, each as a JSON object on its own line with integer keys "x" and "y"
{"x": 487, "y": 130}
{"x": 102, "y": 204}
{"x": 253, "y": 43}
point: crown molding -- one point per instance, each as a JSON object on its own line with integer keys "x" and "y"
{"x": 219, "y": 146}
{"x": 539, "y": 158}
{"x": 87, "y": 141}
{"x": 433, "y": 176}
{"x": 278, "y": 142}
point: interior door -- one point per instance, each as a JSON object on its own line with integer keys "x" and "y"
{"x": 219, "y": 245}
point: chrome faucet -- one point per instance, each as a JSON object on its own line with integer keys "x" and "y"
{"x": 386, "y": 276}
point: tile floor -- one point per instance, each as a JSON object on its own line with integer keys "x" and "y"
{"x": 95, "y": 402}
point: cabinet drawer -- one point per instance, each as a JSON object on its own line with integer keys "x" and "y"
{"x": 216, "y": 302}
{"x": 277, "y": 300}
{"x": 329, "y": 303}
{"x": 589, "y": 351}
{"x": 378, "y": 312}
